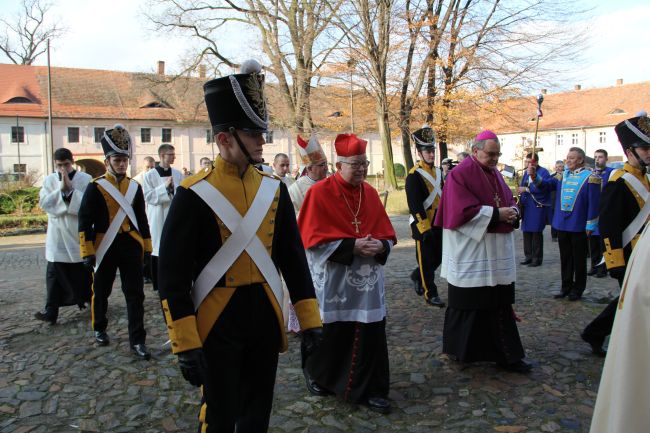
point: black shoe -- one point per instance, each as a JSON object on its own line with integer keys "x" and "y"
{"x": 436, "y": 302}
{"x": 601, "y": 274}
{"x": 378, "y": 404}
{"x": 526, "y": 262}
{"x": 141, "y": 351}
{"x": 101, "y": 337}
{"x": 592, "y": 271}
{"x": 417, "y": 285}
{"x": 561, "y": 295}
{"x": 313, "y": 387}
{"x": 534, "y": 264}
{"x": 574, "y": 296}
{"x": 596, "y": 346}
{"x": 520, "y": 366}
{"x": 43, "y": 316}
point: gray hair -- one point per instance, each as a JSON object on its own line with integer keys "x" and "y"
{"x": 559, "y": 161}
{"x": 580, "y": 152}
{"x": 480, "y": 144}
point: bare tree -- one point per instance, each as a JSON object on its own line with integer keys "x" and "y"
{"x": 367, "y": 25}
{"x": 25, "y": 36}
{"x": 289, "y": 32}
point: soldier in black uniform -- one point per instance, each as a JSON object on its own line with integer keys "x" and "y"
{"x": 624, "y": 210}
{"x": 114, "y": 234}
{"x": 423, "y": 189}
{"x": 224, "y": 317}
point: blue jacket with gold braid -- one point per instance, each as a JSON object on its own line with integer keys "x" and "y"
{"x": 576, "y": 200}
{"x": 191, "y": 236}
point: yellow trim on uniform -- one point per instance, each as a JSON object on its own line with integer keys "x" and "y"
{"x": 613, "y": 258}
{"x": 211, "y": 308}
{"x": 308, "y": 313}
{"x": 595, "y": 179}
{"x": 182, "y": 332}
{"x": 148, "y": 246}
{"x": 86, "y": 246}
{"x": 202, "y": 416}
{"x": 423, "y": 225}
{"x": 420, "y": 267}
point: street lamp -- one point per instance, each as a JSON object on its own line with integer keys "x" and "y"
{"x": 540, "y": 99}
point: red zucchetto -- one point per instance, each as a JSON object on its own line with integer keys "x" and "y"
{"x": 349, "y": 145}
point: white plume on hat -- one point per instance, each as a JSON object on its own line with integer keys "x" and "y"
{"x": 641, "y": 113}
{"x": 249, "y": 66}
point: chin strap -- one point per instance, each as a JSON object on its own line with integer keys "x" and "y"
{"x": 642, "y": 163}
{"x": 250, "y": 160}
{"x": 112, "y": 171}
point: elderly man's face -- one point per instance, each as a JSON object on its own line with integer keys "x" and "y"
{"x": 354, "y": 170}
{"x": 573, "y": 160}
{"x": 317, "y": 171}
{"x": 489, "y": 155}
{"x": 559, "y": 167}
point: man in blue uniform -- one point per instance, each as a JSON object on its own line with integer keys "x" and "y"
{"x": 624, "y": 211}
{"x": 559, "y": 169}
{"x": 535, "y": 201}
{"x": 423, "y": 189}
{"x": 576, "y": 212}
{"x": 595, "y": 242}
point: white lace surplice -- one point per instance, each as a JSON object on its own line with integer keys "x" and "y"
{"x": 352, "y": 293}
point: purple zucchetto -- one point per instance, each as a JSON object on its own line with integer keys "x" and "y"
{"x": 486, "y": 135}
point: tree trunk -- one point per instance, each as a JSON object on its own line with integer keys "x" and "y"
{"x": 390, "y": 181}
{"x": 406, "y": 138}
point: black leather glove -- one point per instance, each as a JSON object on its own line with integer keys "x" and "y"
{"x": 311, "y": 339}
{"x": 89, "y": 263}
{"x": 193, "y": 366}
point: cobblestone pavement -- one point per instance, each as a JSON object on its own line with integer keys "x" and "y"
{"x": 53, "y": 379}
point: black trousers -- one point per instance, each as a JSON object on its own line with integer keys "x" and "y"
{"x": 573, "y": 258}
{"x": 67, "y": 284}
{"x": 153, "y": 262}
{"x": 242, "y": 354}
{"x": 601, "y": 326}
{"x": 595, "y": 251}
{"x": 534, "y": 246}
{"x": 429, "y": 256}
{"x": 125, "y": 254}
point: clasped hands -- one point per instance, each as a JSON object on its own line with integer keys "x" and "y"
{"x": 368, "y": 246}
{"x": 508, "y": 215}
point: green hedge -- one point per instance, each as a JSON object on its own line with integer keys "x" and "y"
{"x": 19, "y": 201}
{"x": 10, "y": 222}
{"x": 400, "y": 170}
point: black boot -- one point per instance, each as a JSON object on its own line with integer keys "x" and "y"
{"x": 432, "y": 298}
{"x": 417, "y": 284}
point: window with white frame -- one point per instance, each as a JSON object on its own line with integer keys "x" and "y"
{"x": 166, "y": 135}
{"x": 602, "y": 137}
{"x": 73, "y": 134}
{"x": 209, "y": 136}
{"x": 145, "y": 135}
{"x": 99, "y": 133}
{"x": 559, "y": 139}
{"x": 17, "y": 134}
{"x": 574, "y": 139}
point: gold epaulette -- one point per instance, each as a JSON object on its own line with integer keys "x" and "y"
{"x": 412, "y": 170}
{"x": 195, "y": 178}
{"x": 594, "y": 178}
{"x": 267, "y": 174}
{"x": 617, "y": 174}
{"x": 99, "y": 177}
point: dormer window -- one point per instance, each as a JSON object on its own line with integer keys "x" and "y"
{"x": 617, "y": 111}
{"x": 19, "y": 100}
{"x": 156, "y": 104}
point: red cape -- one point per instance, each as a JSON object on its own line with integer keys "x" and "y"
{"x": 325, "y": 217}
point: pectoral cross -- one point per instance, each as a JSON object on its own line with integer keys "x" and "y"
{"x": 497, "y": 199}
{"x": 356, "y": 223}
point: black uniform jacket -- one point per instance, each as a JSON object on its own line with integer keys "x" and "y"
{"x": 191, "y": 236}
{"x": 98, "y": 208}
{"x": 417, "y": 191}
{"x": 619, "y": 205}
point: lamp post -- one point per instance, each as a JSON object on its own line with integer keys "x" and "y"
{"x": 540, "y": 99}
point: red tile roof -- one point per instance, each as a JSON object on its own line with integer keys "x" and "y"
{"x": 605, "y": 106}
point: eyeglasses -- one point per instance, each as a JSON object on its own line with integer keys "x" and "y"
{"x": 491, "y": 154}
{"x": 322, "y": 165}
{"x": 357, "y": 165}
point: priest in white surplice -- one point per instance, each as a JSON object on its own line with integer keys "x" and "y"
{"x": 477, "y": 213}
{"x": 67, "y": 280}
{"x": 624, "y": 392}
{"x": 315, "y": 162}
{"x": 159, "y": 186}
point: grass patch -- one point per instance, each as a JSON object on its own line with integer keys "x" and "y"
{"x": 11, "y": 223}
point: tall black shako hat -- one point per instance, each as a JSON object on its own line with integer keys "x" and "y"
{"x": 116, "y": 141}
{"x": 237, "y": 101}
{"x": 424, "y": 138}
{"x": 634, "y": 132}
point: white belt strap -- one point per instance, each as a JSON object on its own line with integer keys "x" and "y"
{"x": 121, "y": 200}
{"x": 110, "y": 234}
{"x": 244, "y": 237}
{"x": 640, "y": 219}
{"x": 436, "y": 186}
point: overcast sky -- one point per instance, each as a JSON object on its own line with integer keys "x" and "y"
{"x": 115, "y": 35}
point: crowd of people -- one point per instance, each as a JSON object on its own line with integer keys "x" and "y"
{"x": 240, "y": 255}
